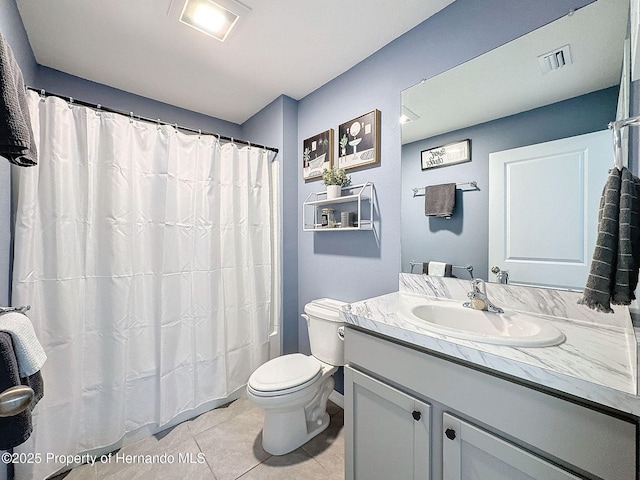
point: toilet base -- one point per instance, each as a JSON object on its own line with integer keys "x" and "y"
{"x": 286, "y": 429}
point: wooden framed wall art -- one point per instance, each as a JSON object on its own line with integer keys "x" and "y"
{"x": 317, "y": 154}
{"x": 359, "y": 141}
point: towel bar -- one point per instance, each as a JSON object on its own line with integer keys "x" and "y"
{"x": 21, "y": 309}
{"x": 15, "y": 400}
{"x": 473, "y": 184}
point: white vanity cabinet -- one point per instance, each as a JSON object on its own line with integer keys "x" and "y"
{"x": 501, "y": 429}
{"x": 388, "y": 420}
{"x": 469, "y": 452}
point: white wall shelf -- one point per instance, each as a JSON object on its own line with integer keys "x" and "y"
{"x": 355, "y": 198}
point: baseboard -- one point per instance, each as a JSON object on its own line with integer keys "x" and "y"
{"x": 337, "y": 398}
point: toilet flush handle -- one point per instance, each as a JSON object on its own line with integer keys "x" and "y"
{"x": 341, "y": 333}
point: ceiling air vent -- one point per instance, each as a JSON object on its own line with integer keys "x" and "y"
{"x": 555, "y": 60}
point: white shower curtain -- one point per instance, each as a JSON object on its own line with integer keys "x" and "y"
{"x": 147, "y": 256}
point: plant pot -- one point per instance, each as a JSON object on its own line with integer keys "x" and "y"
{"x": 333, "y": 191}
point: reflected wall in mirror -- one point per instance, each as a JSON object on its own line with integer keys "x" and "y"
{"x": 502, "y": 100}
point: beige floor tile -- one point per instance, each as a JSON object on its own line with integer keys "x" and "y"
{"x": 328, "y": 447}
{"x": 234, "y": 447}
{"x": 184, "y": 461}
{"x": 166, "y": 442}
{"x": 225, "y": 443}
{"x": 297, "y": 465}
{"x": 221, "y": 414}
{"x": 84, "y": 472}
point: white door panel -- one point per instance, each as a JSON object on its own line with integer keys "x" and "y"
{"x": 543, "y": 209}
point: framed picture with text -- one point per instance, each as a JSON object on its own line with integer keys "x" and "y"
{"x": 445, "y": 155}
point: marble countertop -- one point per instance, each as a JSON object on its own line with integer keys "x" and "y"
{"x": 598, "y": 361}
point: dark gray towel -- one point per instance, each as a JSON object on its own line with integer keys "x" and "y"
{"x": 17, "y": 429}
{"x": 613, "y": 276}
{"x": 628, "y": 261}
{"x": 16, "y": 138}
{"x": 440, "y": 200}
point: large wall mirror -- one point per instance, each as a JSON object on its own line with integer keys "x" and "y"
{"x": 521, "y": 106}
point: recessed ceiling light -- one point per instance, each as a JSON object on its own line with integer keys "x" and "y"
{"x": 408, "y": 115}
{"x": 216, "y": 19}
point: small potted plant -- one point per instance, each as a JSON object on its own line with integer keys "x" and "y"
{"x": 335, "y": 179}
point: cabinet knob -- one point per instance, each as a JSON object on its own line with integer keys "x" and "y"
{"x": 416, "y": 415}
{"x": 450, "y": 433}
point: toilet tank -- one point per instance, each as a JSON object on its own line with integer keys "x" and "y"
{"x": 323, "y": 320}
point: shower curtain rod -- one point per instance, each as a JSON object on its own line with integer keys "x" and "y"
{"x": 99, "y": 107}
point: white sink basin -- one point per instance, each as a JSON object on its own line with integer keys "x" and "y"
{"x": 449, "y": 318}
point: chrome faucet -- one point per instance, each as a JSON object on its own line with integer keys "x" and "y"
{"x": 502, "y": 276}
{"x": 479, "y": 299}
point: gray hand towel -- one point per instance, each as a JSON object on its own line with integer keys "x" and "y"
{"x": 613, "y": 276}
{"x": 440, "y": 200}
{"x": 16, "y": 138}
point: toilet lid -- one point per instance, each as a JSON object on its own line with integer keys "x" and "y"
{"x": 285, "y": 373}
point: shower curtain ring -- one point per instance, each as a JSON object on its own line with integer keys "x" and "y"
{"x": 42, "y": 95}
{"x": 158, "y": 124}
{"x": 70, "y": 102}
{"x": 199, "y": 133}
{"x": 249, "y": 143}
{"x": 98, "y": 107}
{"x": 130, "y": 117}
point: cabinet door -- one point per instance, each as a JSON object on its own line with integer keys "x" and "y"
{"x": 386, "y": 431}
{"x": 469, "y": 453}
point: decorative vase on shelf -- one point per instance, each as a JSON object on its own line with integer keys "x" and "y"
{"x": 333, "y": 191}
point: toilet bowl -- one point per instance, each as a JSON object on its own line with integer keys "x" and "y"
{"x": 293, "y": 389}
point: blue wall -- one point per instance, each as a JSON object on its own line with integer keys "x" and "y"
{"x": 13, "y": 31}
{"x": 344, "y": 265}
{"x": 68, "y": 85}
{"x": 355, "y": 265}
{"x": 463, "y": 239}
{"x": 276, "y": 125}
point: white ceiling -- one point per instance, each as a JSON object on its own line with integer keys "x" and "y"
{"x": 289, "y": 47}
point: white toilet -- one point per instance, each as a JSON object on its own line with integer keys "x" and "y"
{"x": 293, "y": 389}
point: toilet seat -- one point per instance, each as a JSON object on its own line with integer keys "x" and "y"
{"x": 285, "y": 374}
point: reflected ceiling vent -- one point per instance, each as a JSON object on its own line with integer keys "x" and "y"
{"x": 555, "y": 60}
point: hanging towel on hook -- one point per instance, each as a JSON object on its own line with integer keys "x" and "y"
{"x": 16, "y": 137}
{"x": 440, "y": 200}
{"x": 29, "y": 352}
{"x": 16, "y": 429}
{"x": 613, "y": 276}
